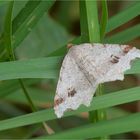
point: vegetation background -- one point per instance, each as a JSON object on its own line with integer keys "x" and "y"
{"x": 33, "y": 39}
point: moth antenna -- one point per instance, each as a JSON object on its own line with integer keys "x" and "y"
{"x": 69, "y": 45}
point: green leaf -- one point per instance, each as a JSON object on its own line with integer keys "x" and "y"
{"x": 24, "y": 22}
{"x": 39, "y": 96}
{"x": 103, "y": 128}
{"x": 10, "y": 86}
{"x": 135, "y": 68}
{"x": 44, "y": 39}
{"x": 8, "y": 31}
{"x": 104, "y": 101}
{"x": 89, "y": 21}
{"x": 123, "y": 17}
{"x": 35, "y": 68}
{"x": 28, "y": 18}
{"x": 124, "y": 36}
{"x": 104, "y": 18}
{"x": 41, "y": 68}
{"x": 63, "y": 49}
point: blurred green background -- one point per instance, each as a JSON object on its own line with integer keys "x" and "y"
{"x": 53, "y": 31}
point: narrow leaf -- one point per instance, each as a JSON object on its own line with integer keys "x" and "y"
{"x": 104, "y": 101}
{"x": 89, "y": 21}
{"x": 125, "y": 36}
{"x": 8, "y": 31}
{"x": 41, "y": 68}
{"x": 28, "y": 18}
{"x": 110, "y": 127}
{"x": 34, "y": 68}
{"x": 104, "y": 19}
{"x": 123, "y": 17}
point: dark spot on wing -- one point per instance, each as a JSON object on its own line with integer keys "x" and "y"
{"x": 71, "y": 93}
{"x": 58, "y": 101}
{"x": 127, "y": 49}
{"x": 115, "y": 59}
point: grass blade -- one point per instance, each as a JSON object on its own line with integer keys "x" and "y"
{"x": 62, "y": 50}
{"x": 8, "y": 31}
{"x": 35, "y": 68}
{"x": 125, "y": 36}
{"x": 115, "y": 126}
{"x": 25, "y": 21}
{"x": 89, "y": 21}
{"x": 135, "y": 68}
{"x": 104, "y": 19}
{"x": 28, "y": 18}
{"x": 41, "y": 68}
{"x": 123, "y": 17}
{"x": 10, "y": 86}
{"x": 104, "y": 101}
{"x": 39, "y": 96}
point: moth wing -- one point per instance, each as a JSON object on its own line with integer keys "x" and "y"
{"x": 87, "y": 65}
{"x": 116, "y": 61}
{"x": 104, "y": 62}
{"x": 73, "y": 88}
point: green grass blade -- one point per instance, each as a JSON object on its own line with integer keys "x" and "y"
{"x": 89, "y": 21}
{"x": 8, "y": 31}
{"x": 135, "y": 68}
{"x": 110, "y": 127}
{"x": 25, "y": 21}
{"x": 123, "y": 16}
{"x": 2, "y": 2}
{"x": 41, "y": 68}
{"x": 28, "y": 18}
{"x": 89, "y": 31}
{"x": 125, "y": 36}
{"x": 104, "y": 19}
{"x": 8, "y": 44}
{"x": 35, "y": 68}
{"x": 62, "y": 50}
{"x": 24, "y": 14}
{"x": 39, "y": 96}
{"x": 104, "y": 101}
{"x": 10, "y": 86}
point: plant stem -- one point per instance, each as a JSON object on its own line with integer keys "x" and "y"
{"x": 104, "y": 19}
{"x": 90, "y": 32}
{"x": 27, "y": 95}
{"x": 8, "y": 46}
{"x": 89, "y": 21}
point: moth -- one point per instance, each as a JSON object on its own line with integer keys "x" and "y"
{"x": 84, "y": 67}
